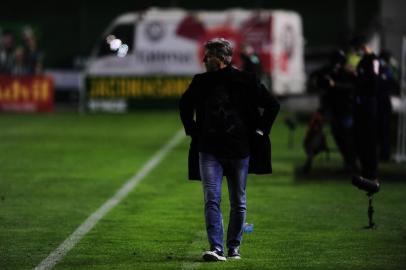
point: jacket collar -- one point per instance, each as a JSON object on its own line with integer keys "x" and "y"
{"x": 227, "y": 68}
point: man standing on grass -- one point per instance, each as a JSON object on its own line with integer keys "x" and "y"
{"x": 229, "y": 115}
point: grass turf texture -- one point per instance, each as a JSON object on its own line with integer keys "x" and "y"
{"x": 55, "y": 170}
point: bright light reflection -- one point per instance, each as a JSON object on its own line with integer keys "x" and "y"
{"x": 122, "y": 51}
{"x": 115, "y": 44}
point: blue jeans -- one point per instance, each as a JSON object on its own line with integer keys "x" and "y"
{"x": 212, "y": 170}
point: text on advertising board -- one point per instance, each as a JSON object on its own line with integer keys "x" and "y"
{"x": 138, "y": 87}
{"x": 26, "y": 93}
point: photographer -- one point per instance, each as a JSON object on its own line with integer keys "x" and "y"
{"x": 366, "y": 116}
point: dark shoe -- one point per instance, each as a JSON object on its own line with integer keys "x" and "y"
{"x": 233, "y": 254}
{"x": 214, "y": 255}
{"x": 370, "y": 186}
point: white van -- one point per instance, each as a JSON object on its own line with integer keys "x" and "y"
{"x": 155, "y": 53}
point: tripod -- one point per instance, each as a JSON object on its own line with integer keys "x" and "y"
{"x": 371, "y": 211}
{"x": 371, "y": 187}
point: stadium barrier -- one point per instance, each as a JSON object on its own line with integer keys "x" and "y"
{"x": 28, "y": 94}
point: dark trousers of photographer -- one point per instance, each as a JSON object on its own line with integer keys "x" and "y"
{"x": 365, "y": 127}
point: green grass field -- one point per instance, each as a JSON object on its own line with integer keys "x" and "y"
{"x": 56, "y": 170}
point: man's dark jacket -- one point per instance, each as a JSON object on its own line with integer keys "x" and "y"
{"x": 260, "y": 106}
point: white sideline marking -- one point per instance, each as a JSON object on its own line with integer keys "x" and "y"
{"x": 55, "y": 256}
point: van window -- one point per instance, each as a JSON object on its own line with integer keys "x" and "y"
{"x": 123, "y": 32}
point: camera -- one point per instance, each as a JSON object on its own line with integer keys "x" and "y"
{"x": 370, "y": 186}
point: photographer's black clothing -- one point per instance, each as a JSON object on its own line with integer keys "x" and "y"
{"x": 337, "y": 105}
{"x": 226, "y": 105}
{"x": 368, "y": 76}
{"x": 340, "y": 97}
{"x": 340, "y": 108}
{"x": 388, "y": 85}
{"x": 365, "y": 115}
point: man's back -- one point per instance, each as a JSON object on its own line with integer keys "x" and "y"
{"x": 223, "y": 112}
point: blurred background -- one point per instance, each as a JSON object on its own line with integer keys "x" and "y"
{"x": 67, "y": 31}
{"x": 117, "y": 57}
{"x": 63, "y": 36}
